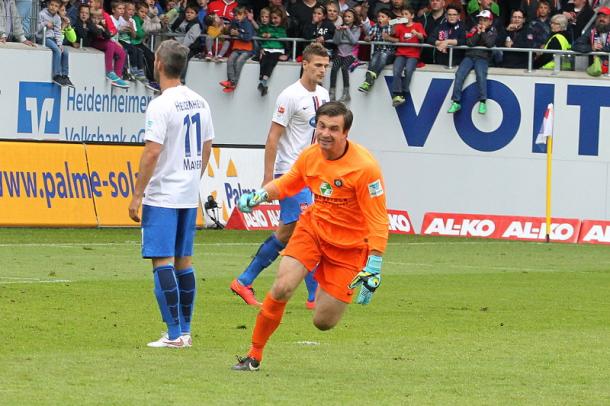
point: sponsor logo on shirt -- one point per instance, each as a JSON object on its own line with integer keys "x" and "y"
{"x": 375, "y": 188}
{"x": 326, "y": 190}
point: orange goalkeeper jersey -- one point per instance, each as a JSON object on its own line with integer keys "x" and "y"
{"x": 349, "y": 207}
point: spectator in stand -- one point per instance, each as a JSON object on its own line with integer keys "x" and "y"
{"x": 114, "y": 55}
{"x": 174, "y": 10}
{"x": 384, "y": 54}
{"x": 11, "y": 27}
{"x": 53, "y": 39}
{"x": 152, "y": 23}
{"x": 473, "y": 9}
{"x": 24, "y": 10}
{"x": 301, "y": 13}
{"x": 406, "y": 58}
{"x": 333, "y": 15}
{"x": 223, "y": 8}
{"x": 376, "y": 5}
{"x": 484, "y": 34}
{"x": 431, "y": 19}
{"x": 203, "y": 11}
{"x": 242, "y": 31}
{"x": 362, "y": 8}
{"x": 320, "y": 29}
{"x": 271, "y": 50}
{"x": 397, "y": 7}
{"x": 188, "y": 24}
{"x": 67, "y": 32}
{"x": 516, "y": 35}
{"x": 83, "y": 25}
{"x": 127, "y": 32}
{"x": 597, "y": 38}
{"x": 578, "y": 13}
{"x": 345, "y": 39}
{"x": 540, "y": 25}
{"x": 139, "y": 40}
{"x": 215, "y": 46}
{"x": 558, "y": 39}
{"x": 449, "y": 33}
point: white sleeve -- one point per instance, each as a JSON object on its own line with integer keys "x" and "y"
{"x": 156, "y": 123}
{"x": 283, "y": 109}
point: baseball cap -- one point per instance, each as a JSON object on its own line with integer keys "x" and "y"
{"x": 485, "y": 14}
{"x": 604, "y": 10}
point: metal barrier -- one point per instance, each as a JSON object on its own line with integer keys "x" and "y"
{"x": 530, "y": 51}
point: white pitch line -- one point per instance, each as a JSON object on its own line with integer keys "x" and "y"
{"x": 19, "y": 282}
{"x": 231, "y": 244}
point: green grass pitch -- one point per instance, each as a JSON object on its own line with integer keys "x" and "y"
{"x": 455, "y": 322}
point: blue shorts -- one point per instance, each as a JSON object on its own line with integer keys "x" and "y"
{"x": 291, "y": 207}
{"x": 167, "y": 232}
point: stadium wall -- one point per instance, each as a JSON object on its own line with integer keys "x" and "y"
{"x": 433, "y": 162}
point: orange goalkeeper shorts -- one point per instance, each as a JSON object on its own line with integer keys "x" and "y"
{"x": 337, "y": 266}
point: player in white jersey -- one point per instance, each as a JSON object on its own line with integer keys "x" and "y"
{"x": 178, "y": 138}
{"x": 292, "y": 130}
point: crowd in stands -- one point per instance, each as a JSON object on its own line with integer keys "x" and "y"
{"x": 237, "y": 31}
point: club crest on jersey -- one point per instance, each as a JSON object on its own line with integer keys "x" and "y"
{"x": 312, "y": 121}
{"x": 375, "y": 188}
{"x": 281, "y": 110}
{"x": 325, "y": 189}
{"x": 338, "y": 182}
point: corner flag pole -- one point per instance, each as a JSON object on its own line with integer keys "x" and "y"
{"x": 545, "y": 136}
{"x": 549, "y": 172}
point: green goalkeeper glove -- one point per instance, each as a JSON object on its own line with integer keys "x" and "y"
{"x": 248, "y": 200}
{"x": 369, "y": 278}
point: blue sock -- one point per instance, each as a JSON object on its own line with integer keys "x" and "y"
{"x": 312, "y": 286}
{"x": 166, "y": 291}
{"x": 266, "y": 254}
{"x": 187, "y": 289}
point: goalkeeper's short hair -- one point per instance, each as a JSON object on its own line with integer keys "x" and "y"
{"x": 335, "y": 109}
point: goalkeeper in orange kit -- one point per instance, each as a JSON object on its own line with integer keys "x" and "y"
{"x": 344, "y": 232}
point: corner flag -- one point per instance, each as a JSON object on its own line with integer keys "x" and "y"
{"x": 546, "y": 129}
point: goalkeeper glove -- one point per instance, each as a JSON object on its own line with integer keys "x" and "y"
{"x": 248, "y": 200}
{"x": 369, "y": 278}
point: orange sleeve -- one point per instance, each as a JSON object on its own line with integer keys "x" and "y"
{"x": 371, "y": 199}
{"x": 292, "y": 182}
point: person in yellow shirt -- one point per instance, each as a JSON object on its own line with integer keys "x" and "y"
{"x": 344, "y": 232}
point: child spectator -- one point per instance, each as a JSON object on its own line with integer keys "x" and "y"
{"x": 271, "y": 50}
{"x": 67, "y": 32}
{"x": 83, "y": 25}
{"x": 50, "y": 19}
{"x": 213, "y": 42}
{"x": 332, "y": 11}
{"x": 113, "y": 53}
{"x": 138, "y": 42}
{"x": 127, "y": 32}
{"x": 188, "y": 24}
{"x": 383, "y": 54}
{"x": 483, "y": 34}
{"x": 242, "y": 31}
{"x": 153, "y": 23}
{"x": 345, "y": 39}
{"x": 407, "y": 58}
{"x": 450, "y": 32}
{"x": 320, "y": 29}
